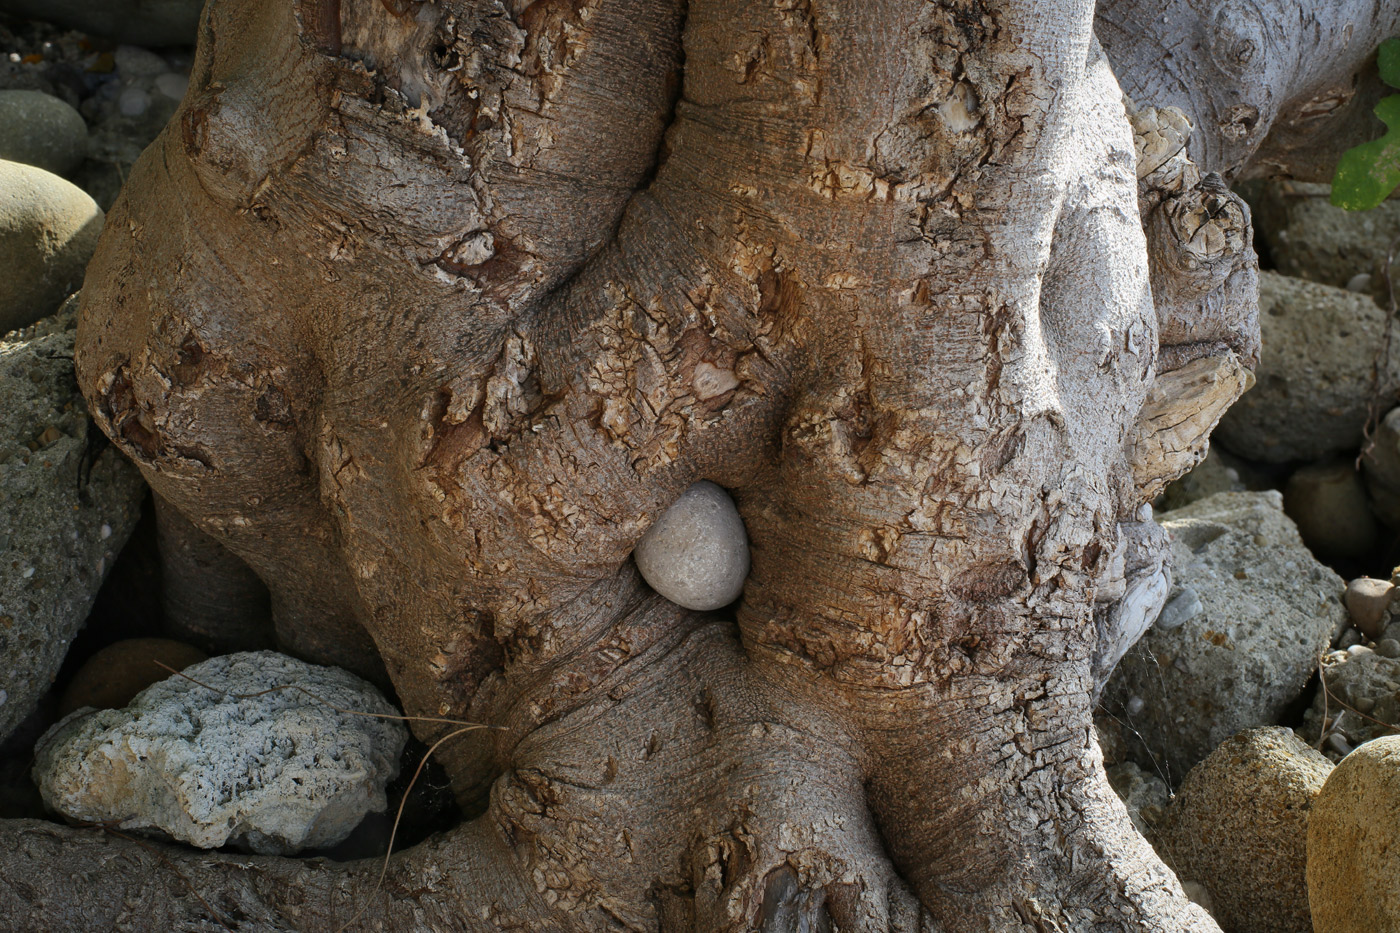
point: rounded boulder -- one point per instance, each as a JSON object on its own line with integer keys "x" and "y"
{"x": 48, "y": 230}
{"x": 1354, "y": 843}
{"x": 41, "y": 130}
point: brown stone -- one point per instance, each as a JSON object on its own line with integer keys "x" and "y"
{"x": 1367, "y": 600}
{"x": 112, "y": 676}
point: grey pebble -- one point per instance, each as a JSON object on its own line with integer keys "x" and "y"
{"x": 42, "y": 130}
{"x": 697, "y": 553}
{"x": 1183, "y": 607}
{"x": 133, "y": 102}
{"x": 173, "y": 85}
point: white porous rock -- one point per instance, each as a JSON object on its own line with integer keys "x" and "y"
{"x": 697, "y": 552}
{"x": 274, "y": 773}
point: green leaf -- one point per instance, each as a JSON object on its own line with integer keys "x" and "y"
{"x": 1368, "y": 173}
{"x": 1388, "y": 61}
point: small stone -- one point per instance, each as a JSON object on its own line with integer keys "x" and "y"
{"x": 48, "y": 229}
{"x": 1328, "y": 503}
{"x": 1367, "y": 600}
{"x": 111, "y": 677}
{"x": 231, "y": 759}
{"x": 133, "y": 102}
{"x": 173, "y": 85}
{"x": 135, "y": 62}
{"x": 41, "y": 130}
{"x": 697, "y": 553}
{"x": 1238, "y": 827}
{"x": 1353, "y": 862}
{"x": 1359, "y": 701}
{"x": 1339, "y": 745}
{"x": 1388, "y": 648}
{"x": 1145, "y": 795}
{"x": 1361, "y": 282}
{"x": 1180, "y": 609}
{"x": 1349, "y": 638}
{"x": 1199, "y": 896}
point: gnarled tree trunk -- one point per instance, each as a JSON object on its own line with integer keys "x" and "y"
{"x": 426, "y": 312}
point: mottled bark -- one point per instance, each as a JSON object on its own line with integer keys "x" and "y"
{"x": 1274, "y": 87}
{"x": 426, "y": 312}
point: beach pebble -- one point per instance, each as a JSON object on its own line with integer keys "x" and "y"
{"x": 116, "y": 673}
{"x": 48, "y": 229}
{"x": 1145, "y": 795}
{"x": 173, "y": 85}
{"x": 135, "y": 62}
{"x": 39, "y": 129}
{"x": 1238, "y": 827}
{"x": 697, "y": 553}
{"x": 1367, "y": 600}
{"x": 1328, "y": 503}
{"x": 226, "y": 761}
{"x": 133, "y": 101}
{"x": 1353, "y": 860}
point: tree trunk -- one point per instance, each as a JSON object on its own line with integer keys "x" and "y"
{"x": 427, "y": 311}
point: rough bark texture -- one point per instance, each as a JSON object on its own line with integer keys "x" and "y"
{"x": 427, "y": 311}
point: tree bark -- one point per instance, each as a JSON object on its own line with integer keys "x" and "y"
{"x": 426, "y": 312}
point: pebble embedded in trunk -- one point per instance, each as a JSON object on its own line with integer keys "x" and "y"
{"x": 697, "y": 553}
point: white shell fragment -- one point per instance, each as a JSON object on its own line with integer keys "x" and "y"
{"x": 697, "y": 552}
{"x": 273, "y": 773}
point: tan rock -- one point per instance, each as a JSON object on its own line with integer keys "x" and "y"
{"x": 112, "y": 676}
{"x": 1238, "y": 828}
{"x": 1353, "y": 856}
{"x": 48, "y": 229}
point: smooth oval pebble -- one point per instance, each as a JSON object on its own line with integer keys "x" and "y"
{"x": 697, "y": 553}
{"x": 42, "y": 130}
